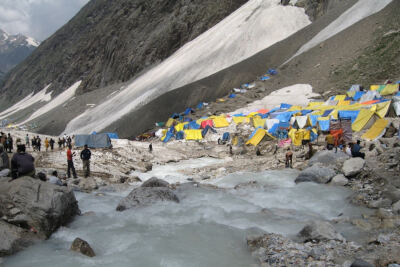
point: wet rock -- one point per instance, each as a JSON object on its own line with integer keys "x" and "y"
{"x": 396, "y": 207}
{"x": 44, "y": 206}
{"x": 380, "y": 203}
{"x": 353, "y": 166}
{"x": 155, "y": 182}
{"x": 328, "y": 157}
{"x": 146, "y": 196}
{"x": 339, "y": 180}
{"x": 14, "y": 239}
{"x": 361, "y": 263}
{"x": 249, "y": 184}
{"x": 319, "y": 231}
{"x": 83, "y": 247}
{"x": 317, "y": 173}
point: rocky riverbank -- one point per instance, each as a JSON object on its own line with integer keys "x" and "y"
{"x": 374, "y": 181}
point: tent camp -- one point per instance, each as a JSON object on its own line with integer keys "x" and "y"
{"x": 93, "y": 140}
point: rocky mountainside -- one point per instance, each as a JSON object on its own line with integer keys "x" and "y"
{"x": 112, "y": 41}
{"x": 13, "y": 50}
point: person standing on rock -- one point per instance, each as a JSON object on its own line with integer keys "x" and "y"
{"x": 330, "y": 141}
{"x": 22, "y": 163}
{"x": 70, "y": 163}
{"x": 27, "y": 140}
{"x": 38, "y": 143}
{"x": 289, "y": 158}
{"x": 85, "y": 157}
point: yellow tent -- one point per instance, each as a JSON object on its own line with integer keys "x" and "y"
{"x": 258, "y": 136}
{"x": 193, "y": 135}
{"x": 239, "y": 120}
{"x": 179, "y": 127}
{"x": 340, "y": 98}
{"x": 294, "y": 108}
{"x": 362, "y": 119}
{"x": 170, "y": 122}
{"x": 258, "y": 122}
{"x": 344, "y": 103}
{"x": 220, "y": 122}
{"x": 314, "y": 104}
{"x": 297, "y": 136}
{"x": 382, "y": 109}
{"x": 387, "y": 89}
{"x": 376, "y": 130}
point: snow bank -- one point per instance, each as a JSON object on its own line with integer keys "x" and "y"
{"x": 29, "y": 100}
{"x": 298, "y": 94}
{"x": 59, "y": 100}
{"x": 255, "y": 26}
{"x": 361, "y": 10}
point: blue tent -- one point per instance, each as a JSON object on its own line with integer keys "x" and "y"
{"x": 232, "y": 96}
{"x": 193, "y": 125}
{"x": 272, "y": 71}
{"x": 188, "y": 111}
{"x": 168, "y": 136}
{"x": 200, "y": 105}
{"x": 265, "y": 78}
{"x": 327, "y": 112}
{"x": 101, "y": 140}
{"x": 305, "y": 111}
{"x": 349, "y": 114}
{"x": 225, "y": 137}
{"x": 324, "y": 125}
{"x": 285, "y": 106}
{"x": 358, "y": 95}
{"x": 180, "y": 135}
{"x": 205, "y": 130}
{"x": 314, "y": 119}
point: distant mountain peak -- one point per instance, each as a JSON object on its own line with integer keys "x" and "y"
{"x": 16, "y": 39}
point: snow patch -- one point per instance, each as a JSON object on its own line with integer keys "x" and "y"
{"x": 29, "y": 100}
{"x": 361, "y": 10}
{"x": 255, "y": 26}
{"x": 298, "y": 95}
{"x": 59, "y": 100}
{"x": 32, "y": 42}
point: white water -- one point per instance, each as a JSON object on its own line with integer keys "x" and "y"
{"x": 207, "y": 228}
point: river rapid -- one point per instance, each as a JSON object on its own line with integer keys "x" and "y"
{"x": 207, "y": 228}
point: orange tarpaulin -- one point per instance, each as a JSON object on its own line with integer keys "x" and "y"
{"x": 337, "y": 134}
{"x": 370, "y": 102}
{"x": 263, "y": 111}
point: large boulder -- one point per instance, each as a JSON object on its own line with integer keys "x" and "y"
{"x": 32, "y": 203}
{"x": 353, "y": 166}
{"x": 155, "y": 182}
{"x": 14, "y": 238}
{"x": 319, "y": 231}
{"x": 328, "y": 157}
{"x": 32, "y": 210}
{"x": 143, "y": 196}
{"x": 317, "y": 174}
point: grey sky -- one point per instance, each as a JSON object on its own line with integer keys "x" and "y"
{"x": 37, "y": 18}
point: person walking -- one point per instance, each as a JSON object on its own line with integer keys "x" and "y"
{"x": 85, "y": 157}
{"x": 38, "y": 143}
{"x": 27, "y": 140}
{"x": 51, "y": 142}
{"x": 9, "y": 143}
{"x": 70, "y": 163}
{"x": 4, "y": 161}
{"x": 46, "y": 143}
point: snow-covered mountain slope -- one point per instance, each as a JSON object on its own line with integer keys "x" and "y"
{"x": 253, "y": 27}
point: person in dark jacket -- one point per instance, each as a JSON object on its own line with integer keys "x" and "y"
{"x": 51, "y": 142}
{"x": 85, "y": 157}
{"x": 22, "y": 163}
{"x": 355, "y": 151}
{"x": 9, "y": 143}
{"x": 4, "y": 161}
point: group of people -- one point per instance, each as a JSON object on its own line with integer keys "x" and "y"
{"x": 351, "y": 149}
{"x": 22, "y": 163}
{"x": 7, "y": 142}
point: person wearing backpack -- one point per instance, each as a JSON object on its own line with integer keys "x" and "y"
{"x": 85, "y": 157}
